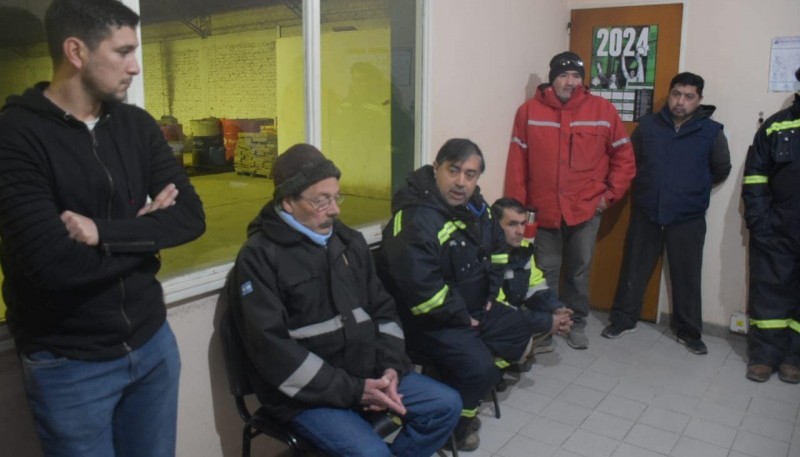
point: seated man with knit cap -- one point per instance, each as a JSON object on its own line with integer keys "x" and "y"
{"x": 320, "y": 331}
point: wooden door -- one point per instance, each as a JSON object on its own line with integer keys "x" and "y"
{"x": 610, "y": 239}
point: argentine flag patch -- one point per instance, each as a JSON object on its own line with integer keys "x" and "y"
{"x": 247, "y": 288}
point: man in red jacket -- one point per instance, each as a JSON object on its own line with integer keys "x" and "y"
{"x": 570, "y": 157}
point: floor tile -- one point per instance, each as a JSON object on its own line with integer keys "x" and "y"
{"x": 710, "y": 432}
{"x": 775, "y": 409}
{"x": 522, "y": 446}
{"x": 566, "y": 413}
{"x": 690, "y": 447}
{"x": 664, "y": 419}
{"x": 548, "y": 431}
{"x": 607, "y": 425}
{"x": 582, "y": 396}
{"x": 590, "y": 444}
{"x": 769, "y": 428}
{"x": 759, "y": 446}
{"x": 652, "y": 438}
{"x": 622, "y": 407}
{"x": 627, "y": 450}
{"x": 596, "y": 380}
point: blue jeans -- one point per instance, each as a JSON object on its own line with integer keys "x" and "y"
{"x": 433, "y": 411}
{"x": 574, "y": 247}
{"x": 119, "y": 408}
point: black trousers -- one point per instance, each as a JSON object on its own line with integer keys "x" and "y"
{"x": 774, "y": 302}
{"x": 466, "y": 358}
{"x": 644, "y": 244}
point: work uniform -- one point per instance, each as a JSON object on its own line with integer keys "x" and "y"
{"x": 524, "y": 286}
{"x": 316, "y": 323}
{"x": 436, "y": 260}
{"x": 771, "y": 197}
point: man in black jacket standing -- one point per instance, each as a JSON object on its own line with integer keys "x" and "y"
{"x": 772, "y": 212}
{"x": 319, "y": 328}
{"x": 80, "y": 242}
{"x": 680, "y": 154}
{"x": 442, "y": 258}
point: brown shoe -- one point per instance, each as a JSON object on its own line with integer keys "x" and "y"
{"x": 759, "y": 372}
{"x": 789, "y": 373}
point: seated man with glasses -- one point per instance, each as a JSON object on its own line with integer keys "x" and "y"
{"x": 320, "y": 331}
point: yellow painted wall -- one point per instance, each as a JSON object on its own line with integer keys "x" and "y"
{"x": 356, "y": 105}
{"x": 21, "y": 72}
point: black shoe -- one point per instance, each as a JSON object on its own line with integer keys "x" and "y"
{"x": 466, "y": 434}
{"x": 759, "y": 372}
{"x": 789, "y": 373}
{"x": 475, "y": 425}
{"x": 694, "y": 345}
{"x": 467, "y": 444}
{"x": 615, "y": 331}
{"x": 523, "y": 367}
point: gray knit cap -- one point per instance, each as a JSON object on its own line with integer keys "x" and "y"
{"x": 300, "y": 167}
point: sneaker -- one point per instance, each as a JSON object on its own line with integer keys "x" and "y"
{"x": 615, "y": 331}
{"x": 576, "y": 339}
{"x": 546, "y": 345}
{"x": 694, "y": 345}
{"x": 759, "y": 372}
{"x": 789, "y": 373}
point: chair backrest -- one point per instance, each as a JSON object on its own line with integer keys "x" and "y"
{"x": 237, "y": 365}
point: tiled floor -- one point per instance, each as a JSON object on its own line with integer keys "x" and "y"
{"x": 642, "y": 395}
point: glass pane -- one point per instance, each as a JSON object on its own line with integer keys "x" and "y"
{"x": 211, "y": 75}
{"x": 367, "y": 99}
{"x": 23, "y": 55}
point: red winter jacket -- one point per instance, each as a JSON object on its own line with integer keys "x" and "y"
{"x": 564, "y": 156}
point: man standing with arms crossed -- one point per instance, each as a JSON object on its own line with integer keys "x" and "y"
{"x": 81, "y": 241}
{"x": 570, "y": 158}
{"x": 680, "y": 154}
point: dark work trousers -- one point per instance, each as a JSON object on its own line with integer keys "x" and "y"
{"x": 644, "y": 244}
{"x": 774, "y": 303}
{"x": 465, "y": 357}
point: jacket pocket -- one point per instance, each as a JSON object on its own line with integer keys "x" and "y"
{"x": 786, "y": 145}
{"x": 586, "y": 149}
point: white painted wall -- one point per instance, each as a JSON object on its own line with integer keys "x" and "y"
{"x": 487, "y": 57}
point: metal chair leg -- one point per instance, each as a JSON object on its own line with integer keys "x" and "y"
{"x": 496, "y": 403}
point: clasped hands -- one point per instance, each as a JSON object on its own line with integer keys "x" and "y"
{"x": 562, "y": 321}
{"x": 381, "y": 394}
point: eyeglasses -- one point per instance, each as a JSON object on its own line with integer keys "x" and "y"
{"x": 322, "y": 203}
{"x": 568, "y": 62}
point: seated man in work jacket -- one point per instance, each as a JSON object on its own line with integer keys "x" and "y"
{"x": 319, "y": 328}
{"x": 436, "y": 259}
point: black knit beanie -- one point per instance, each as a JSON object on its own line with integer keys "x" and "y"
{"x": 300, "y": 167}
{"x": 566, "y": 61}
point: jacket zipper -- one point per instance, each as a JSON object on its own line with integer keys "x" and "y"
{"x": 108, "y": 217}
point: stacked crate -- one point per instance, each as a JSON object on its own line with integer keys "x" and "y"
{"x": 256, "y": 152}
